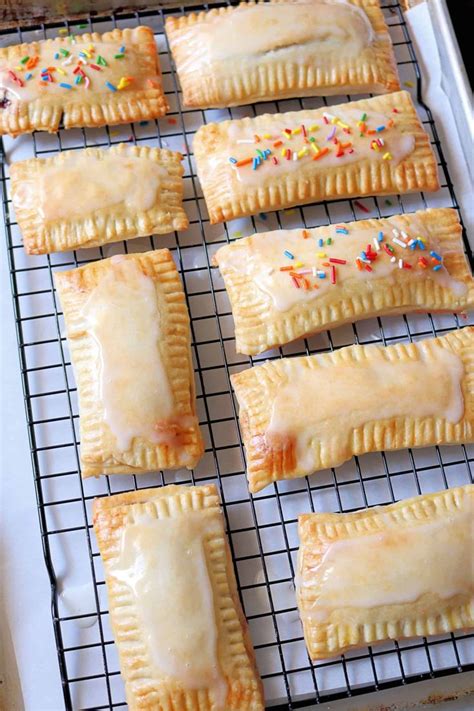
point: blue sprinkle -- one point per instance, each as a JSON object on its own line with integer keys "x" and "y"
{"x": 122, "y": 49}
{"x": 437, "y": 267}
{"x": 436, "y": 256}
{"x": 266, "y": 152}
{"x": 380, "y": 237}
{"x": 413, "y": 246}
{"x": 45, "y": 77}
{"x": 83, "y": 55}
{"x": 420, "y": 244}
{"x": 363, "y": 255}
{"x": 56, "y": 56}
{"x": 43, "y": 71}
{"x": 263, "y": 216}
{"x": 256, "y": 163}
{"x": 343, "y": 231}
{"x": 28, "y": 76}
{"x": 64, "y": 85}
{"x": 321, "y": 275}
{"x": 233, "y": 160}
{"x": 78, "y": 79}
{"x": 110, "y": 86}
{"x": 288, "y": 254}
{"x": 321, "y": 242}
{"x": 380, "y": 128}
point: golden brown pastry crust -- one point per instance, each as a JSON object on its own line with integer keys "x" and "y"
{"x": 89, "y": 107}
{"x": 98, "y": 451}
{"x": 355, "y": 627}
{"x": 145, "y": 691}
{"x": 259, "y": 326}
{"x": 230, "y": 82}
{"x": 108, "y": 224}
{"x": 228, "y": 198}
{"x": 256, "y": 389}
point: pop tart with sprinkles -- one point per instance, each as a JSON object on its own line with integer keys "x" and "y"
{"x": 287, "y": 284}
{"x": 86, "y": 80}
{"x": 274, "y": 161}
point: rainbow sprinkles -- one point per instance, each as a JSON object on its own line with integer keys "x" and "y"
{"x": 298, "y": 143}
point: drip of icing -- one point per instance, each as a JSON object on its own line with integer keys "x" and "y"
{"x": 163, "y": 562}
{"x": 287, "y": 29}
{"x": 134, "y": 387}
{"x": 112, "y": 179}
{"x": 394, "y": 567}
{"x": 261, "y": 256}
{"x": 80, "y": 600}
{"x": 332, "y": 401}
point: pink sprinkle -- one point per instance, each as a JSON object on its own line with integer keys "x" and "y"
{"x": 360, "y": 206}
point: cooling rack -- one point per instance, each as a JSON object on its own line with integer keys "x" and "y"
{"x": 262, "y": 528}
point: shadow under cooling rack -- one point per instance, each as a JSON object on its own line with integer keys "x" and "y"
{"x": 262, "y": 528}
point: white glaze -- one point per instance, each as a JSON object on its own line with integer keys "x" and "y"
{"x": 394, "y": 567}
{"x": 261, "y": 255}
{"x": 318, "y": 403}
{"x": 35, "y": 87}
{"x": 266, "y": 32}
{"x": 123, "y": 317}
{"x": 163, "y": 562}
{"x": 241, "y": 145}
{"x": 82, "y": 184}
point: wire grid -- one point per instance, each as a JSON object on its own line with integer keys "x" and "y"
{"x": 262, "y": 528}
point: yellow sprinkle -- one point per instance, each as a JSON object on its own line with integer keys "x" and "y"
{"x": 302, "y": 152}
{"x": 297, "y": 265}
{"x": 409, "y": 84}
{"x": 61, "y": 71}
{"x": 387, "y": 156}
{"x": 63, "y": 31}
{"x": 321, "y": 254}
{"x": 267, "y": 135}
{"x": 314, "y": 127}
{"x": 291, "y": 211}
{"x": 283, "y": 152}
{"x": 91, "y": 48}
{"x": 114, "y": 133}
{"x": 18, "y": 69}
{"x": 295, "y": 131}
{"x": 342, "y": 124}
{"x": 334, "y": 120}
{"x": 315, "y": 148}
{"x": 123, "y": 83}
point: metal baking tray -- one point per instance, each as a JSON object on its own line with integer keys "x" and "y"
{"x": 261, "y": 528}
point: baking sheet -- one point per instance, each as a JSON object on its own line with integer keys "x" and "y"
{"x": 264, "y": 554}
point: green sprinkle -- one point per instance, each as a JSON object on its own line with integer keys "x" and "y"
{"x": 329, "y": 241}
{"x": 24, "y": 60}
{"x": 388, "y": 202}
{"x": 237, "y": 234}
{"x": 101, "y": 61}
{"x": 363, "y": 117}
{"x": 259, "y": 152}
{"x": 78, "y": 79}
{"x": 65, "y": 52}
{"x": 119, "y": 56}
{"x": 312, "y": 139}
{"x": 83, "y": 27}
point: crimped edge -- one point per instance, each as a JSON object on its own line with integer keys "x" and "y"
{"x": 325, "y": 640}
{"x": 109, "y": 109}
{"x": 245, "y": 687}
{"x": 73, "y": 287}
{"x": 253, "y": 388}
{"x": 228, "y": 200}
{"x": 258, "y": 329}
{"x": 107, "y": 225}
{"x": 282, "y": 80}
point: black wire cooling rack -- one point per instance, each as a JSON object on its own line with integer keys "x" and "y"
{"x": 262, "y": 529}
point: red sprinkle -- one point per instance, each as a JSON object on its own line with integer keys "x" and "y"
{"x": 295, "y": 282}
{"x": 303, "y": 128}
{"x": 333, "y": 274}
{"x": 288, "y": 154}
{"x": 172, "y": 121}
{"x": 406, "y": 265}
{"x": 368, "y": 268}
{"x": 95, "y": 66}
{"x": 325, "y": 120}
{"x": 361, "y": 206}
{"x": 390, "y": 254}
{"x": 337, "y": 261}
{"x": 274, "y": 158}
